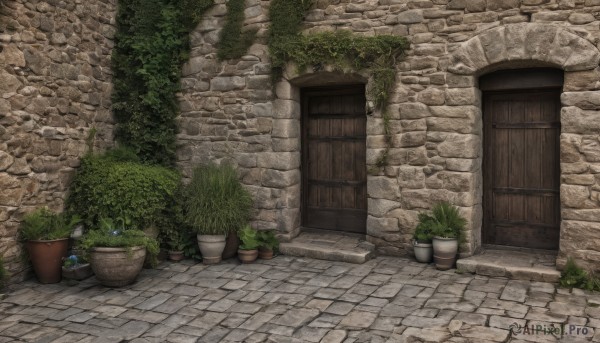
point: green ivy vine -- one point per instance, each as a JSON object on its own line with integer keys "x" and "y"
{"x": 234, "y": 43}
{"x": 340, "y": 49}
{"x": 151, "y": 45}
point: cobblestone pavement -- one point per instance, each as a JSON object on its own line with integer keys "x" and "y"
{"x": 291, "y": 299}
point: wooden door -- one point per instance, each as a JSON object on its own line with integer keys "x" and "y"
{"x": 521, "y": 168}
{"x": 334, "y": 171}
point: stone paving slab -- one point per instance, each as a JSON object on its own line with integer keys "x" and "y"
{"x": 291, "y": 299}
{"x": 329, "y": 246}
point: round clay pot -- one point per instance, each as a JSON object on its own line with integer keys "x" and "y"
{"x": 423, "y": 251}
{"x": 116, "y": 267}
{"x": 232, "y": 244}
{"x": 265, "y": 254}
{"x": 46, "y": 258}
{"x": 211, "y": 247}
{"x": 444, "y": 252}
{"x": 176, "y": 256}
{"x": 247, "y": 256}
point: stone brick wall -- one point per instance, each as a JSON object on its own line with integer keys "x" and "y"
{"x": 55, "y": 86}
{"x": 230, "y": 110}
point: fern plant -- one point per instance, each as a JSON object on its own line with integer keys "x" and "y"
{"x": 446, "y": 221}
{"x": 43, "y": 224}
{"x": 216, "y": 201}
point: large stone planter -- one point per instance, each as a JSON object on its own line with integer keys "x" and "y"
{"x": 444, "y": 252}
{"x": 46, "y": 258}
{"x": 117, "y": 267}
{"x": 211, "y": 247}
{"x": 423, "y": 251}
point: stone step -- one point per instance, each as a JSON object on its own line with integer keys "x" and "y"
{"x": 329, "y": 246}
{"x": 514, "y": 264}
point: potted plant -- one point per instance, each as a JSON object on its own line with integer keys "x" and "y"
{"x": 216, "y": 204}
{"x": 117, "y": 254}
{"x": 422, "y": 246}
{"x": 176, "y": 246}
{"x": 76, "y": 268}
{"x": 447, "y": 228}
{"x": 268, "y": 244}
{"x": 46, "y": 236}
{"x": 248, "y": 251}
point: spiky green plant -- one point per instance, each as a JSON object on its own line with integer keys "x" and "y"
{"x": 447, "y": 221}
{"x": 216, "y": 201}
{"x": 43, "y": 224}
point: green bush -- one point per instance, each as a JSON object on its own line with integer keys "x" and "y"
{"x": 575, "y": 277}
{"x": 423, "y": 232}
{"x": 114, "y": 186}
{"x": 234, "y": 43}
{"x": 216, "y": 201}
{"x": 445, "y": 221}
{"x": 43, "y": 224}
{"x": 268, "y": 240}
{"x": 248, "y": 238}
{"x": 118, "y": 235}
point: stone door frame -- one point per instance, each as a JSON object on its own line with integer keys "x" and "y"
{"x": 510, "y": 47}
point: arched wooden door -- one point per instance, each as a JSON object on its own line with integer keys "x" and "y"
{"x": 334, "y": 171}
{"x": 521, "y": 165}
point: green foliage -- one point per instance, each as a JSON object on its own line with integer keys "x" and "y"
{"x": 114, "y": 185}
{"x": 118, "y": 235}
{"x": 423, "y": 232}
{"x": 43, "y": 224}
{"x": 233, "y": 42}
{"x": 3, "y": 275}
{"x": 575, "y": 277}
{"x": 151, "y": 45}
{"x": 249, "y": 239}
{"x": 175, "y": 233}
{"x": 268, "y": 240}
{"x": 445, "y": 221}
{"x": 216, "y": 201}
{"x": 73, "y": 261}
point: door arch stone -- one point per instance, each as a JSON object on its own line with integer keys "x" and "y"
{"x": 538, "y": 45}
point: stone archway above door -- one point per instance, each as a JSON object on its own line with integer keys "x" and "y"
{"x": 544, "y": 43}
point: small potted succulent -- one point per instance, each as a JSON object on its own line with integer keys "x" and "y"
{"x": 448, "y": 225}
{"x": 422, "y": 245}
{"x": 46, "y": 236}
{"x": 116, "y": 253}
{"x": 76, "y": 268}
{"x": 216, "y": 204}
{"x": 248, "y": 250}
{"x": 268, "y": 244}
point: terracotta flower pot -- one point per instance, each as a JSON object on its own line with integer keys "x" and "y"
{"x": 80, "y": 272}
{"x": 247, "y": 256}
{"x": 444, "y": 252}
{"x": 265, "y": 254}
{"x": 232, "y": 244}
{"x": 211, "y": 247}
{"x": 176, "y": 256}
{"x": 46, "y": 258}
{"x": 116, "y": 267}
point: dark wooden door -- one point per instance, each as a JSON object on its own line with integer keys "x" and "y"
{"x": 334, "y": 171}
{"x": 521, "y": 168}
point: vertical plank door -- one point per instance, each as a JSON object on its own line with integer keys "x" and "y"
{"x": 334, "y": 172}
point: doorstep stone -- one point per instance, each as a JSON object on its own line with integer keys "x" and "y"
{"x": 329, "y": 246}
{"x": 514, "y": 264}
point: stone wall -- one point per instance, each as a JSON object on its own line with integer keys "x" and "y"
{"x": 231, "y": 110}
{"x": 55, "y": 85}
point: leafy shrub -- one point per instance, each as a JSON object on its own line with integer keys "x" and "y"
{"x": 248, "y": 238}
{"x": 445, "y": 221}
{"x": 233, "y": 42}
{"x": 112, "y": 235}
{"x": 114, "y": 186}
{"x": 216, "y": 201}
{"x": 175, "y": 232}
{"x": 575, "y": 277}
{"x": 423, "y": 232}
{"x": 43, "y": 224}
{"x": 268, "y": 240}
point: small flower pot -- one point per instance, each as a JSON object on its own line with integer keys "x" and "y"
{"x": 265, "y": 254}
{"x": 176, "y": 256}
{"x": 117, "y": 267}
{"x": 79, "y": 272}
{"x": 444, "y": 252}
{"x": 211, "y": 248}
{"x": 423, "y": 251}
{"x": 247, "y": 256}
{"x": 46, "y": 258}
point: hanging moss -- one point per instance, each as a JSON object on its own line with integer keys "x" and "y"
{"x": 151, "y": 45}
{"x": 341, "y": 49}
{"x": 233, "y": 42}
